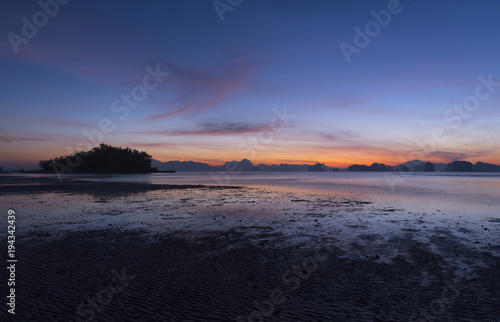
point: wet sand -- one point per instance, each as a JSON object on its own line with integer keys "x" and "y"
{"x": 137, "y": 252}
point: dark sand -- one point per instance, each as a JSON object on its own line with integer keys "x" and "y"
{"x": 302, "y": 257}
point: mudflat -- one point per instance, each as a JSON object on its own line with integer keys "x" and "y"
{"x": 142, "y": 252}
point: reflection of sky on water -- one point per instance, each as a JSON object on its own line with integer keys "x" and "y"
{"x": 460, "y": 198}
{"x": 476, "y": 193}
{"x": 281, "y": 209}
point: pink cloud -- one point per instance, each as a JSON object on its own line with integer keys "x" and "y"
{"x": 213, "y": 129}
{"x": 200, "y": 89}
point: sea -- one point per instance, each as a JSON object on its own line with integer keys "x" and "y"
{"x": 475, "y": 194}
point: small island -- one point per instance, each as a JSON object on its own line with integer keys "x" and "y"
{"x": 102, "y": 159}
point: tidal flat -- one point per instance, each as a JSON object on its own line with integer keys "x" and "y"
{"x": 136, "y": 251}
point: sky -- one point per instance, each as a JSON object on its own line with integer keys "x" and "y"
{"x": 335, "y": 82}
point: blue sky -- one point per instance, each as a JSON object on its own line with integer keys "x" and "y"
{"x": 226, "y": 80}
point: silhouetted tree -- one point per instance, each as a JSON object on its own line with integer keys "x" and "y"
{"x": 102, "y": 159}
{"x": 0, "y": 169}
{"x": 46, "y": 165}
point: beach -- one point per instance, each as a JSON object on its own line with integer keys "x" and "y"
{"x": 135, "y": 251}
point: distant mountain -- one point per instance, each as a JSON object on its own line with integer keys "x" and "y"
{"x": 316, "y": 167}
{"x": 247, "y": 165}
{"x": 429, "y": 167}
{"x": 181, "y": 166}
{"x": 459, "y": 166}
{"x": 373, "y": 167}
{"x": 282, "y": 167}
{"x": 441, "y": 167}
{"x": 357, "y": 167}
{"x": 416, "y": 166}
{"x": 243, "y": 165}
{"x": 156, "y": 164}
{"x": 486, "y": 167}
{"x": 377, "y": 167}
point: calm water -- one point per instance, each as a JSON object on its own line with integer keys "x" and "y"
{"x": 464, "y": 203}
{"x": 473, "y": 193}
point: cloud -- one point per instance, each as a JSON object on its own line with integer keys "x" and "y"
{"x": 227, "y": 128}
{"x": 338, "y": 135}
{"x": 208, "y": 128}
{"x": 237, "y": 61}
{"x": 199, "y": 89}
{"x": 45, "y": 121}
{"x": 155, "y": 145}
{"x": 455, "y": 156}
{"x": 12, "y": 139}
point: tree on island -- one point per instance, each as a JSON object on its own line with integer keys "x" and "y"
{"x": 102, "y": 159}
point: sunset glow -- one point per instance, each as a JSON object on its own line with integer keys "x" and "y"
{"x": 174, "y": 80}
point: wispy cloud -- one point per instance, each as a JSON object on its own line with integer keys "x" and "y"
{"x": 227, "y": 128}
{"x": 199, "y": 89}
{"x": 338, "y": 135}
{"x": 237, "y": 61}
{"x": 447, "y": 156}
{"x": 207, "y": 128}
{"x": 13, "y": 139}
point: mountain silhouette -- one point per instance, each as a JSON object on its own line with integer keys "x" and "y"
{"x": 486, "y": 167}
{"x": 316, "y": 167}
{"x": 460, "y": 166}
{"x": 282, "y": 167}
{"x": 247, "y": 165}
{"x": 374, "y": 167}
{"x": 416, "y": 166}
